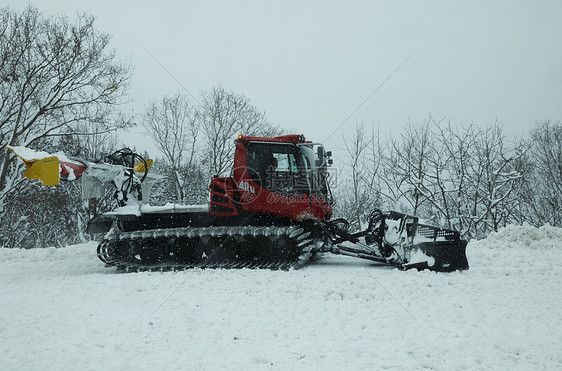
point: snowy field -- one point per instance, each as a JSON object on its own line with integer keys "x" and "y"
{"x": 62, "y": 310}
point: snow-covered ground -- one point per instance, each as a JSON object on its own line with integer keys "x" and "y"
{"x": 62, "y": 310}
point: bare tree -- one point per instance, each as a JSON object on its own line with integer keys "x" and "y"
{"x": 408, "y": 167}
{"x": 174, "y": 127}
{"x": 58, "y": 81}
{"x": 543, "y": 192}
{"x": 493, "y": 179}
{"x": 54, "y": 75}
{"x": 357, "y": 192}
{"x": 225, "y": 115}
{"x": 462, "y": 178}
{"x": 457, "y": 155}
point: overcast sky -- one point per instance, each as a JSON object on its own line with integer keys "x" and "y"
{"x": 310, "y": 64}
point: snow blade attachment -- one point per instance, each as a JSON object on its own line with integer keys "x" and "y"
{"x": 414, "y": 245}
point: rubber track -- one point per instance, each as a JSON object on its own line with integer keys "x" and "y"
{"x": 296, "y": 235}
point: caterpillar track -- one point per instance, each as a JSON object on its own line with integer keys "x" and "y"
{"x": 171, "y": 249}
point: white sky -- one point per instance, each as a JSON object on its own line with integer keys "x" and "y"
{"x": 310, "y": 64}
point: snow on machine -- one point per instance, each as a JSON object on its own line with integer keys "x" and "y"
{"x": 274, "y": 211}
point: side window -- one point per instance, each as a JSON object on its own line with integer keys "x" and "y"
{"x": 283, "y": 163}
{"x": 280, "y": 177}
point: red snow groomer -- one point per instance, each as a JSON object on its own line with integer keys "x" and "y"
{"x": 274, "y": 211}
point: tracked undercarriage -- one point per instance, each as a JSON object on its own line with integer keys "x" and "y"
{"x": 207, "y": 247}
{"x": 392, "y": 238}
